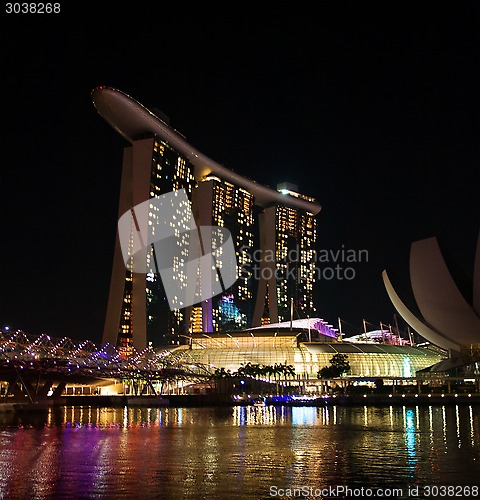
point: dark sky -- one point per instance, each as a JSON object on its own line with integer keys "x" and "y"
{"x": 370, "y": 107}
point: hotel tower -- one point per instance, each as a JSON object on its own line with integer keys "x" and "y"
{"x": 273, "y": 233}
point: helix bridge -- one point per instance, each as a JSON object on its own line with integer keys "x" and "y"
{"x": 43, "y": 362}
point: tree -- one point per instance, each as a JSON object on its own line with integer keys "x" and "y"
{"x": 339, "y": 365}
{"x": 289, "y": 371}
{"x": 222, "y": 379}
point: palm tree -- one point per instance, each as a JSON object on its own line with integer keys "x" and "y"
{"x": 220, "y": 376}
{"x": 290, "y": 371}
{"x": 241, "y": 372}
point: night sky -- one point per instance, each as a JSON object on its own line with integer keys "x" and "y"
{"x": 370, "y": 107}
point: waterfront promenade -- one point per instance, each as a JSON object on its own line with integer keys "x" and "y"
{"x": 213, "y": 400}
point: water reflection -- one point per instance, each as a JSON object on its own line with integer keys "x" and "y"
{"x": 472, "y": 431}
{"x": 457, "y": 420}
{"x": 410, "y": 439}
{"x": 307, "y": 415}
{"x": 232, "y": 452}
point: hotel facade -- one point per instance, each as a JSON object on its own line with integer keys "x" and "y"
{"x": 262, "y": 222}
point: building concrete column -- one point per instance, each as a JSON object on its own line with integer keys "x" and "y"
{"x": 267, "y": 282}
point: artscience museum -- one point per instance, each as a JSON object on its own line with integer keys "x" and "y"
{"x": 445, "y": 317}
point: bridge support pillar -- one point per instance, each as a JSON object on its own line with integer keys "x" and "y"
{"x": 57, "y": 392}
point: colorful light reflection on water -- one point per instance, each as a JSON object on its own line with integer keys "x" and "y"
{"x": 238, "y": 452}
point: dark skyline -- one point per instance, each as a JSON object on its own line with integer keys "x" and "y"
{"x": 370, "y": 107}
